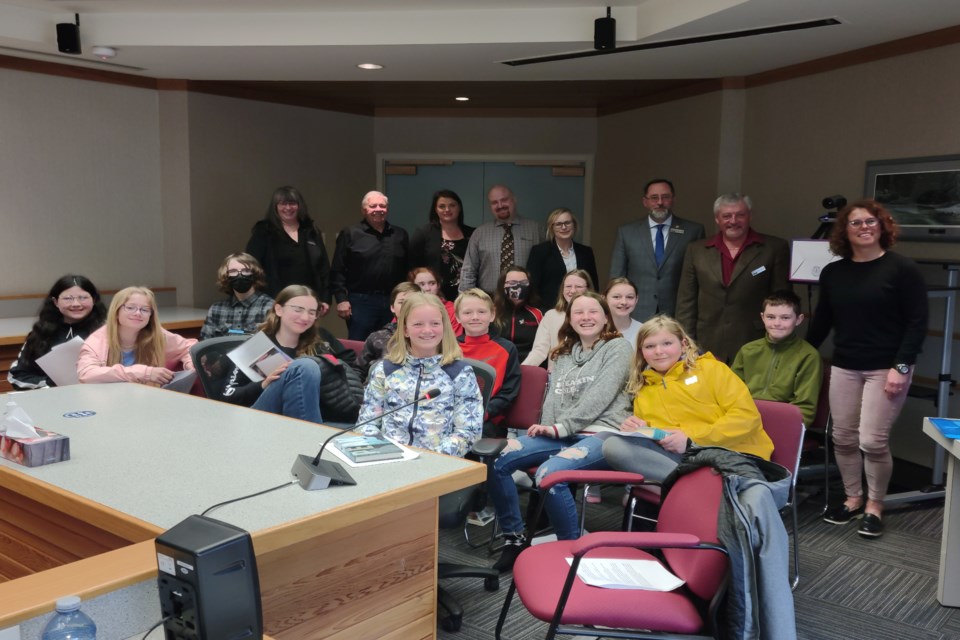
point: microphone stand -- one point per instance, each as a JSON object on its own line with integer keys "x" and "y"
{"x": 314, "y": 473}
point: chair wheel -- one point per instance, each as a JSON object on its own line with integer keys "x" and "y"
{"x": 451, "y": 623}
{"x": 492, "y": 583}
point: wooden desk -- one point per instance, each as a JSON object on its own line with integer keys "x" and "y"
{"x": 346, "y": 562}
{"x": 948, "y": 586}
{"x": 186, "y": 321}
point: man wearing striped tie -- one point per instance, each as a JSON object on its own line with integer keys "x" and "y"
{"x": 650, "y": 251}
{"x": 495, "y": 245}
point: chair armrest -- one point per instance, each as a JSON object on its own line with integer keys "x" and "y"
{"x": 594, "y": 477}
{"x": 488, "y": 447}
{"x": 637, "y": 540}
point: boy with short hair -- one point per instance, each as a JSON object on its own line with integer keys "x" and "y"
{"x": 782, "y": 366}
{"x": 475, "y": 312}
{"x": 376, "y": 342}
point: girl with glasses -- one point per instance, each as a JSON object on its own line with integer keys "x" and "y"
{"x": 294, "y": 388}
{"x": 548, "y": 333}
{"x": 132, "y": 346}
{"x": 71, "y": 309}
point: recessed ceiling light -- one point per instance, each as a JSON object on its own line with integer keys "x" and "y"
{"x": 370, "y": 66}
{"x": 461, "y": 98}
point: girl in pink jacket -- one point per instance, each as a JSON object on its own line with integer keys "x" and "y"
{"x": 132, "y": 346}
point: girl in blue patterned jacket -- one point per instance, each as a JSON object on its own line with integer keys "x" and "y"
{"x": 423, "y": 354}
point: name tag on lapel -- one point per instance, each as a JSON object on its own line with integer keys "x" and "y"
{"x": 691, "y": 380}
{"x": 758, "y": 271}
{"x": 677, "y": 230}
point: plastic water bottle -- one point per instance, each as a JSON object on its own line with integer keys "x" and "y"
{"x": 70, "y": 623}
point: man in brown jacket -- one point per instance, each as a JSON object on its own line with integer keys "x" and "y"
{"x": 726, "y": 277}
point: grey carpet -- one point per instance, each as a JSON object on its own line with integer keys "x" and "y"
{"x": 851, "y": 588}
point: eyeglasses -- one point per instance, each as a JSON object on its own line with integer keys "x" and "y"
{"x": 861, "y": 222}
{"x": 516, "y": 283}
{"x": 132, "y": 309}
{"x": 78, "y": 299}
{"x": 659, "y": 198}
{"x": 312, "y": 313}
{"x": 563, "y": 224}
{"x": 233, "y": 273}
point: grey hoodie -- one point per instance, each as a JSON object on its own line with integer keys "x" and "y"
{"x": 587, "y": 389}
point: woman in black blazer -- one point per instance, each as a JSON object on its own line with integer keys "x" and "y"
{"x": 441, "y": 244}
{"x": 551, "y": 260}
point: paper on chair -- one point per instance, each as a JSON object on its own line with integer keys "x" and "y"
{"x": 60, "y": 363}
{"x": 626, "y": 574}
{"x": 258, "y": 357}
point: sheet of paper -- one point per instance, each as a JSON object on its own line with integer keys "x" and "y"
{"x": 60, "y": 363}
{"x": 182, "y": 381}
{"x": 608, "y": 573}
{"x": 808, "y": 258}
{"x": 258, "y": 357}
{"x": 408, "y": 454}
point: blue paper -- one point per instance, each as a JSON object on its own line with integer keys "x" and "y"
{"x": 949, "y": 428}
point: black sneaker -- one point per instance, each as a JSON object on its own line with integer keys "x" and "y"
{"x": 511, "y": 550}
{"x": 871, "y": 526}
{"x": 842, "y": 515}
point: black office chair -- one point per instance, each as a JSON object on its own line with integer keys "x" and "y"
{"x": 211, "y": 362}
{"x": 453, "y": 511}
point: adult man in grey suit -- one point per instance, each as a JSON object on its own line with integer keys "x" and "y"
{"x": 650, "y": 251}
{"x": 726, "y": 277}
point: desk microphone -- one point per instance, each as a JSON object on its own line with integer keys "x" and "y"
{"x": 316, "y": 474}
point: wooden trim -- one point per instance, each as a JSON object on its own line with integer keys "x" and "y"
{"x": 167, "y": 84}
{"x": 672, "y": 95}
{"x": 480, "y": 112}
{"x": 420, "y": 163}
{"x": 78, "y": 73}
{"x": 892, "y": 49}
{"x": 37, "y": 594}
{"x": 247, "y": 93}
{"x": 567, "y": 172}
{"x": 400, "y": 170}
{"x": 103, "y": 292}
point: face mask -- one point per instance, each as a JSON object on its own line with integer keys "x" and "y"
{"x": 241, "y": 284}
{"x": 518, "y": 293}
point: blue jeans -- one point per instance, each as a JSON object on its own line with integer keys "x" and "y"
{"x": 296, "y": 394}
{"x": 369, "y": 312}
{"x": 577, "y": 452}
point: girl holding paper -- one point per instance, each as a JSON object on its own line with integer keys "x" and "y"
{"x": 689, "y": 398}
{"x": 71, "y": 309}
{"x": 132, "y": 346}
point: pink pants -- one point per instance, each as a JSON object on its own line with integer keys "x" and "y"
{"x": 862, "y": 418}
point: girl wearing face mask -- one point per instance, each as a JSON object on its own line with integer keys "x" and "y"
{"x": 132, "y": 346}
{"x": 72, "y": 308}
{"x": 548, "y": 333}
{"x": 241, "y": 277}
{"x": 428, "y": 281}
{"x": 517, "y": 316}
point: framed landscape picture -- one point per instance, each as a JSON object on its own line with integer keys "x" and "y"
{"x": 922, "y": 194}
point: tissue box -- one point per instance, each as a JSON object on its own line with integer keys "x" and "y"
{"x": 33, "y": 452}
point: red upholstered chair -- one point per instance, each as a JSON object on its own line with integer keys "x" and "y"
{"x": 783, "y": 422}
{"x": 356, "y": 345}
{"x": 687, "y": 535}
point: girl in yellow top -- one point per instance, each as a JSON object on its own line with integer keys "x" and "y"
{"x": 685, "y": 398}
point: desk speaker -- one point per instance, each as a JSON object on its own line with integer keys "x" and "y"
{"x": 209, "y": 587}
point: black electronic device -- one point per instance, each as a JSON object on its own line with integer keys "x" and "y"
{"x": 68, "y": 37}
{"x": 208, "y": 582}
{"x": 605, "y": 32}
{"x": 316, "y": 474}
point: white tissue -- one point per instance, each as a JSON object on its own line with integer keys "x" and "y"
{"x": 16, "y": 423}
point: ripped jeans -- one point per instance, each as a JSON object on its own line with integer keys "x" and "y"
{"x": 577, "y": 452}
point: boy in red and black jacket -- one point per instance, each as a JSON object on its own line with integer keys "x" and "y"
{"x": 475, "y": 312}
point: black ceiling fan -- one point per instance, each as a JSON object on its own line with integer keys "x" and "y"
{"x": 604, "y": 39}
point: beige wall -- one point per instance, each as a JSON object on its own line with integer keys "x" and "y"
{"x": 79, "y": 183}
{"x": 679, "y": 141}
{"x": 241, "y": 150}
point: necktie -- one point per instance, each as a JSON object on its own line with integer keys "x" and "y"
{"x": 658, "y": 247}
{"x": 506, "y": 248}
